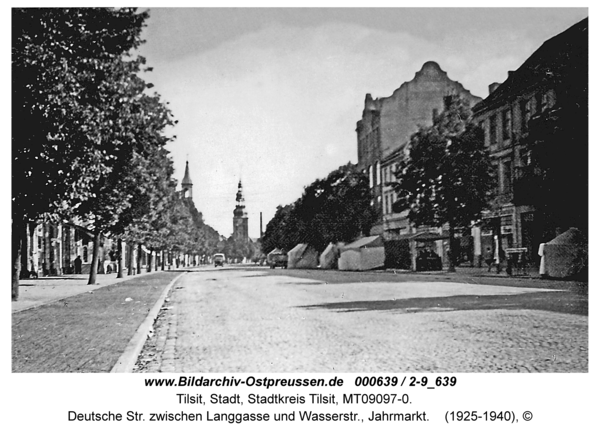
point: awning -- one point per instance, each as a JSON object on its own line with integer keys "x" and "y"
{"x": 429, "y": 236}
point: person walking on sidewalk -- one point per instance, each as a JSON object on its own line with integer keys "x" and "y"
{"x": 77, "y": 263}
{"x": 488, "y": 257}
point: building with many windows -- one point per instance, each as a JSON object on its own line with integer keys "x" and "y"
{"x": 385, "y": 129}
{"x": 553, "y": 73}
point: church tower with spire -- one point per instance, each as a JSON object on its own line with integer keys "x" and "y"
{"x": 240, "y": 217}
{"x": 186, "y": 183}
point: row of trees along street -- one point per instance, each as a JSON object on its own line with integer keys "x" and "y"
{"x": 333, "y": 209}
{"x": 89, "y": 137}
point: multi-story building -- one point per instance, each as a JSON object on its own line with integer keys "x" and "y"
{"x": 553, "y": 71}
{"x": 240, "y": 217}
{"x": 385, "y": 130}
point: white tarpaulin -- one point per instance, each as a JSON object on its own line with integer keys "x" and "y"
{"x": 364, "y": 254}
{"x": 329, "y": 257}
{"x": 303, "y": 256}
{"x": 565, "y": 255}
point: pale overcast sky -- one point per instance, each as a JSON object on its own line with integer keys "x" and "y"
{"x": 273, "y": 95}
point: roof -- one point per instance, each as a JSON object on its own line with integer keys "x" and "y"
{"x": 187, "y": 180}
{"x": 571, "y": 236}
{"x": 373, "y": 241}
{"x": 553, "y": 62}
{"x": 429, "y": 236}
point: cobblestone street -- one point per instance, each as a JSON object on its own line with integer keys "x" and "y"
{"x": 263, "y": 321}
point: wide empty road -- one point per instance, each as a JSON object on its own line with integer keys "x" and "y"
{"x": 230, "y": 320}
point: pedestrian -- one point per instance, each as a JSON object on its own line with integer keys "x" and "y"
{"x": 488, "y": 257}
{"x": 77, "y": 263}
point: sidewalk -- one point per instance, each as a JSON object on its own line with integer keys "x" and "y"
{"x": 61, "y": 324}
{"x": 45, "y": 290}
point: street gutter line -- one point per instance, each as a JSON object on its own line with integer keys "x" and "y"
{"x": 129, "y": 357}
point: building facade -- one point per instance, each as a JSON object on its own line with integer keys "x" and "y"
{"x": 240, "y": 217}
{"x": 385, "y": 129}
{"x": 557, "y": 70}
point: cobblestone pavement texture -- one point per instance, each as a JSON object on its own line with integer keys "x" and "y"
{"x": 86, "y": 332}
{"x": 266, "y": 321}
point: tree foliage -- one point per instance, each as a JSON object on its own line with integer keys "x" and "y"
{"x": 334, "y": 209}
{"x": 447, "y": 177}
{"x": 555, "y": 181}
{"x": 62, "y": 62}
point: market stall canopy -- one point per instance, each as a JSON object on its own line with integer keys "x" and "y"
{"x": 303, "y": 256}
{"x": 364, "y": 254}
{"x": 329, "y": 257}
{"x": 566, "y": 255}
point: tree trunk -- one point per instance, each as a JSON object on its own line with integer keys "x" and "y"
{"x": 156, "y": 261}
{"x": 120, "y": 258}
{"x": 17, "y": 240}
{"x": 149, "y": 269}
{"x": 139, "y": 259}
{"x": 162, "y": 260}
{"x": 94, "y": 267}
{"x": 451, "y": 250}
{"x": 131, "y": 261}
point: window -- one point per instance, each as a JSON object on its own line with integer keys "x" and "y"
{"x": 539, "y": 104}
{"x": 548, "y": 99}
{"x": 507, "y": 176}
{"x": 370, "y": 176}
{"x": 506, "y": 124}
{"x": 493, "y": 129}
{"x": 386, "y": 204}
{"x": 378, "y": 172}
{"x": 525, "y": 114}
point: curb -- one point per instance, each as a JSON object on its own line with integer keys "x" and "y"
{"x": 129, "y": 357}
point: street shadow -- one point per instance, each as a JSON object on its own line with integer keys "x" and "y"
{"x": 554, "y": 301}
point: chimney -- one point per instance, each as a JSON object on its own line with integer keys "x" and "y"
{"x": 493, "y": 86}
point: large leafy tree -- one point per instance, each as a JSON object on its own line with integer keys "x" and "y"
{"x": 150, "y": 197}
{"x": 141, "y": 169}
{"x": 555, "y": 181}
{"x": 63, "y": 60}
{"x": 447, "y": 177}
{"x": 281, "y": 231}
{"x": 334, "y": 209}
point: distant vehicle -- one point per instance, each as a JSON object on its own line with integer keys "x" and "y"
{"x": 219, "y": 259}
{"x": 277, "y": 258}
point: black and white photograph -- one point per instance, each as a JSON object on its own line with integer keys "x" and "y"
{"x": 274, "y": 190}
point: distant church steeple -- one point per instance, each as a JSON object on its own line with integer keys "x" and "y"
{"x": 186, "y": 183}
{"x": 240, "y": 217}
